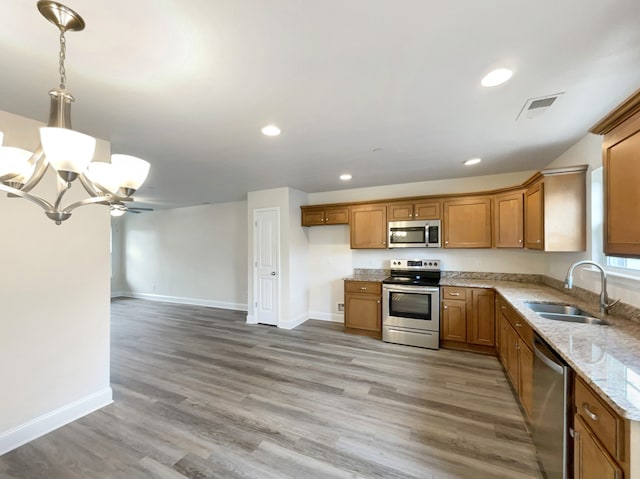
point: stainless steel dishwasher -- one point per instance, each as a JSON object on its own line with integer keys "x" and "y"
{"x": 552, "y": 417}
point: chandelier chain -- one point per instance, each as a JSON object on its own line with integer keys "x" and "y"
{"x": 63, "y": 56}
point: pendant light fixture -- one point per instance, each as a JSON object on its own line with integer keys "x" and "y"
{"x": 68, "y": 152}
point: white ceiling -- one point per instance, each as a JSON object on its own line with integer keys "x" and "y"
{"x": 188, "y": 84}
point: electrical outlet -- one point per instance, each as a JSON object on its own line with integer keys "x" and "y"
{"x": 341, "y": 307}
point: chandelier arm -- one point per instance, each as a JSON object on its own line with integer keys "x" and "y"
{"x": 88, "y": 186}
{"x": 40, "y": 160}
{"x": 106, "y": 200}
{"x": 44, "y": 204}
{"x": 63, "y": 187}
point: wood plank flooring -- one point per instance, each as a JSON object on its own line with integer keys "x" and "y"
{"x": 199, "y": 394}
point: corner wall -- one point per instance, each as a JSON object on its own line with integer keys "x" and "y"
{"x": 54, "y": 292}
{"x": 194, "y": 255}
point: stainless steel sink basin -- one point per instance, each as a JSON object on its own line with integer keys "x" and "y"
{"x": 555, "y": 308}
{"x": 563, "y": 312}
{"x": 572, "y": 318}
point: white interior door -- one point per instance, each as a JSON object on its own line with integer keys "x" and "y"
{"x": 267, "y": 265}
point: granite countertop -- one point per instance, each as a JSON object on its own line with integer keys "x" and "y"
{"x": 377, "y": 278}
{"x": 606, "y": 357}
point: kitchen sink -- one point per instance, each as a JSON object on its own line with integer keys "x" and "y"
{"x": 563, "y": 312}
{"x": 556, "y": 309}
{"x": 573, "y": 318}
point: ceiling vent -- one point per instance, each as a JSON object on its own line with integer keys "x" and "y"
{"x": 535, "y": 107}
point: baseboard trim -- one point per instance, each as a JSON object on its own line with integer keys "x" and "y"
{"x": 117, "y": 294}
{"x": 333, "y": 317}
{"x": 181, "y": 300}
{"x": 24, "y": 433}
{"x": 294, "y": 322}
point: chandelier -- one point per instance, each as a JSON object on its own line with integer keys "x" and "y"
{"x": 68, "y": 152}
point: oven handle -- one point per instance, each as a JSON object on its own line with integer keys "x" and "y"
{"x": 410, "y": 289}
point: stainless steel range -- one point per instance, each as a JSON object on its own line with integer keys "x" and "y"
{"x": 411, "y": 303}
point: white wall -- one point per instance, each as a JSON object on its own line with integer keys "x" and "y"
{"x": 194, "y": 255}
{"x": 54, "y": 292}
{"x": 117, "y": 256}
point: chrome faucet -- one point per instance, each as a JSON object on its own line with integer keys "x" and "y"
{"x": 604, "y": 298}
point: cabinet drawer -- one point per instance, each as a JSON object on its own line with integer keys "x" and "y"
{"x": 451, "y": 292}
{"x": 606, "y": 425}
{"x": 363, "y": 287}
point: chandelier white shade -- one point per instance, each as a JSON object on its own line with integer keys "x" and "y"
{"x": 14, "y": 163}
{"x": 133, "y": 170}
{"x": 68, "y": 152}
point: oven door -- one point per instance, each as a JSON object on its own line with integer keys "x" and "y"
{"x": 415, "y": 307}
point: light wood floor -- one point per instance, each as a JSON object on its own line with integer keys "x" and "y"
{"x": 200, "y": 394}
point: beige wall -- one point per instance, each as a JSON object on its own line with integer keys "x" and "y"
{"x": 54, "y": 292}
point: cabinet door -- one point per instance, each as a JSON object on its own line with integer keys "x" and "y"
{"x": 503, "y": 323}
{"x": 369, "y": 227}
{"x": 467, "y": 223}
{"x": 312, "y": 216}
{"x": 511, "y": 348}
{"x": 482, "y": 326}
{"x": 591, "y": 461}
{"x": 508, "y": 220}
{"x": 400, "y": 212}
{"x": 525, "y": 362}
{"x": 336, "y": 215}
{"x": 363, "y": 311}
{"x": 534, "y": 216}
{"x": 454, "y": 320}
{"x": 427, "y": 210}
{"x": 622, "y": 196}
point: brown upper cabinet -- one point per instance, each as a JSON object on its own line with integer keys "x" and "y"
{"x": 369, "y": 226}
{"x": 553, "y": 202}
{"x": 621, "y": 161}
{"x": 555, "y": 210}
{"x": 408, "y": 211}
{"x": 467, "y": 222}
{"x": 508, "y": 220}
{"x": 325, "y": 215}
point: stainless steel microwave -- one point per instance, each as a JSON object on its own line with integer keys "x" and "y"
{"x": 414, "y": 234}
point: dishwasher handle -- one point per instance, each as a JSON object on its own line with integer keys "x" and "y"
{"x": 543, "y": 353}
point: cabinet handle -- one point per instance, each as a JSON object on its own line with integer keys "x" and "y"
{"x": 378, "y": 301}
{"x": 446, "y": 242}
{"x": 518, "y": 325}
{"x": 589, "y": 412}
{"x": 410, "y": 215}
{"x": 364, "y": 288}
{"x": 454, "y": 294}
{"x": 519, "y": 241}
{"x": 417, "y": 214}
{"x": 384, "y": 242}
{"x": 446, "y": 307}
{"x": 537, "y": 241}
{"x": 503, "y": 306}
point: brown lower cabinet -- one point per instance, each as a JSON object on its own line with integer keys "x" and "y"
{"x": 601, "y": 444}
{"x": 515, "y": 350}
{"x": 362, "y": 308}
{"x": 467, "y": 319}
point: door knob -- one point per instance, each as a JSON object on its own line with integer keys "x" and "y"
{"x": 273, "y": 273}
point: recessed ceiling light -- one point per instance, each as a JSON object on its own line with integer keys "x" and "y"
{"x": 271, "y": 130}
{"x": 345, "y": 177}
{"x": 472, "y": 161}
{"x": 496, "y": 77}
